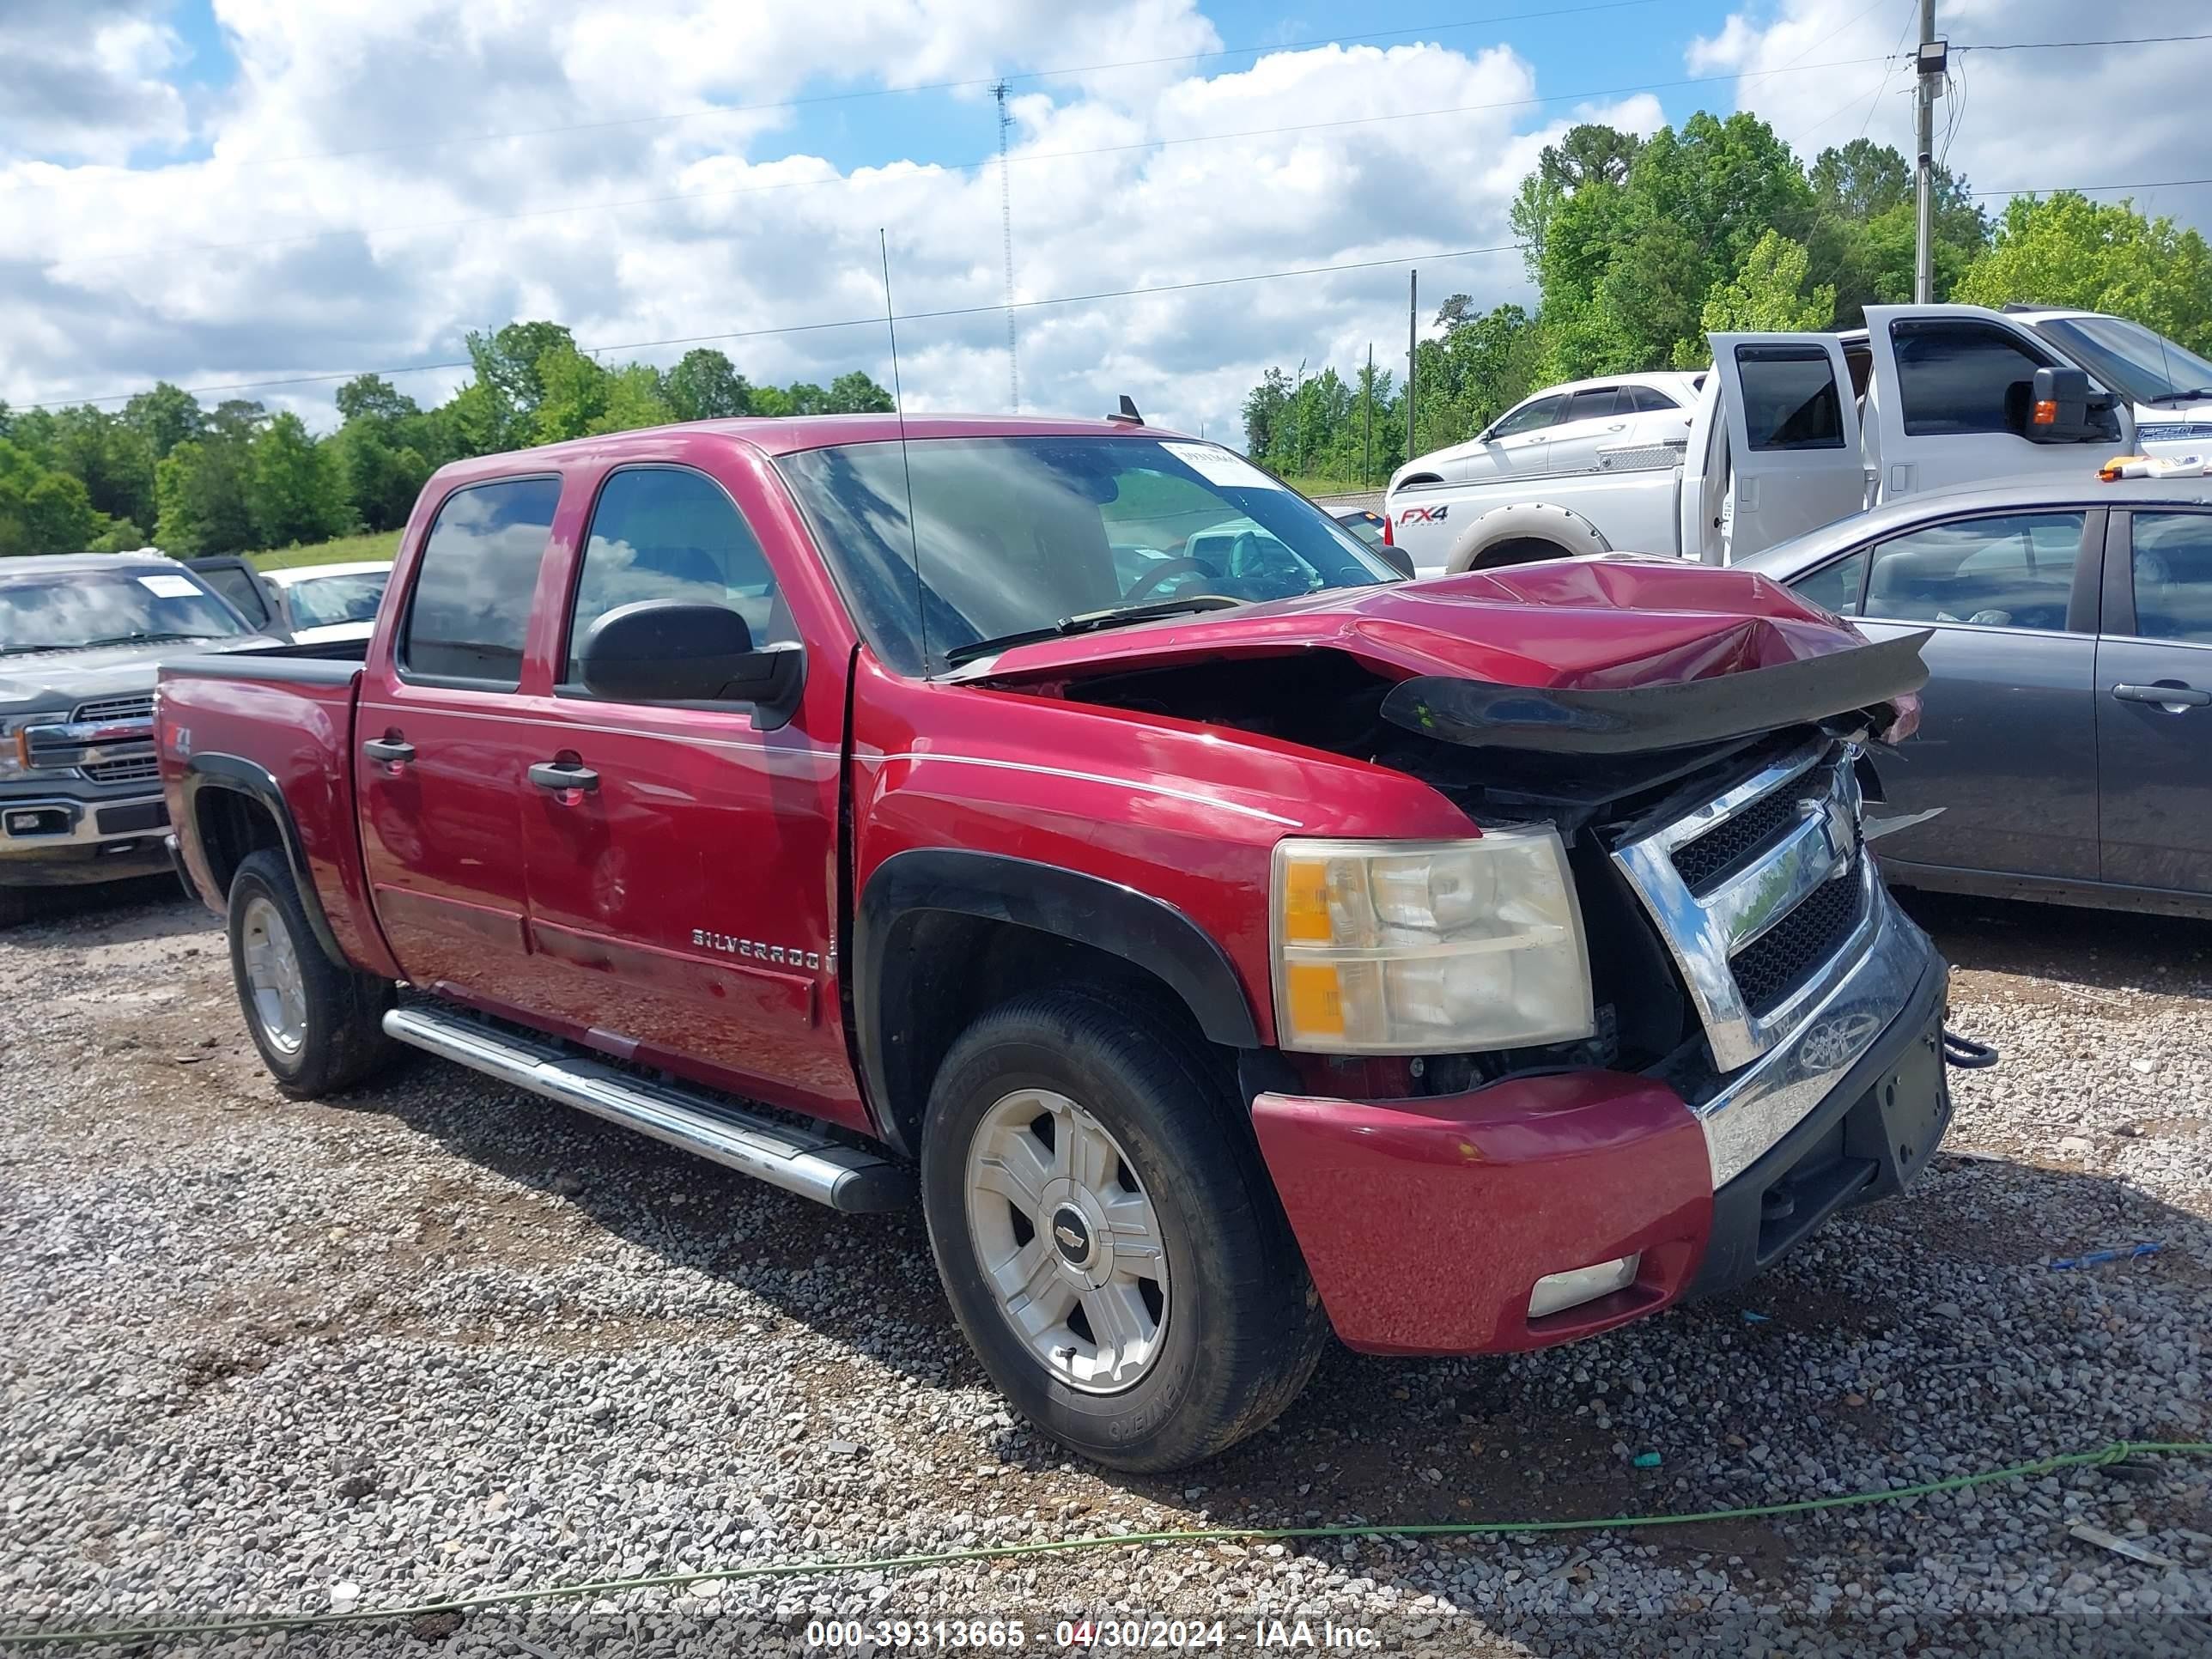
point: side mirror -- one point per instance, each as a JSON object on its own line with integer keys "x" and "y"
{"x": 669, "y": 651}
{"x": 1396, "y": 558}
{"x": 2058, "y": 407}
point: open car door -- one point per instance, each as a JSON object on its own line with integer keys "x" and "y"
{"x": 238, "y": 582}
{"x": 1791, "y": 427}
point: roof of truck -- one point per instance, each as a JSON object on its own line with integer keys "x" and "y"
{"x": 57, "y": 563}
{"x": 783, "y": 434}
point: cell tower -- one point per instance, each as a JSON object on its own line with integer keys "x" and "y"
{"x": 1007, "y": 227}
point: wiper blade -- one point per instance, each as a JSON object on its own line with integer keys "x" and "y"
{"x": 144, "y": 639}
{"x": 1091, "y": 622}
{"x": 2180, "y": 396}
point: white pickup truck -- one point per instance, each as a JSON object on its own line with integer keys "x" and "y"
{"x": 1787, "y": 432}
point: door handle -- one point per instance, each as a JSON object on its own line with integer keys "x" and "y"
{"x": 2171, "y": 694}
{"x": 393, "y": 751}
{"x": 562, "y": 776}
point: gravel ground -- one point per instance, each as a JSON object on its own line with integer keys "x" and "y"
{"x": 441, "y": 1339}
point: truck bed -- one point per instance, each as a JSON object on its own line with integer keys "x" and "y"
{"x": 270, "y": 730}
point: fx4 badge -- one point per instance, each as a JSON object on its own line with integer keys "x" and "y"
{"x": 782, "y": 956}
{"x": 1424, "y": 514}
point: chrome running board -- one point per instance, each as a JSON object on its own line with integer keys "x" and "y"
{"x": 798, "y": 1160}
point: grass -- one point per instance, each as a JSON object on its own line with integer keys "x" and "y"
{"x": 1332, "y": 486}
{"x": 346, "y": 549}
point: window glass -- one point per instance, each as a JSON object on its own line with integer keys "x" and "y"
{"x": 1835, "y": 587}
{"x": 1541, "y": 413}
{"x": 2173, "y": 559}
{"x": 662, "y": 533}
{"x": 1952, "y": 374}
{"x": 1595, "y": 404}
{"x": 70, "y": 610}
{"x": 1649, "y": 400}
{"x": 470, "y": 608}
{"x": 2128, "y": 358}
{"x": 1790, "y": 398}
{"x": 2012, "y": 571}
{"x": 327, "y": 601}
{"x": 235, "y": 583}
{"x": 1015, "y": 535}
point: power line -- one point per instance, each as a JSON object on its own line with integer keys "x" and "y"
{"x": 169, "y": 250}
{"x": 2055, "y": 45}
{"x": 2091, "y": 189}
{"x": 811, "y": 328}
{"x": 768, "y": 107}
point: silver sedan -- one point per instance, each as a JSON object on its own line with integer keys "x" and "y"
{"x": 2065, "y": 748}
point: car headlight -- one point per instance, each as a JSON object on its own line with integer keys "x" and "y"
{"x": 14, "y": 747}
{"x": 1428, "y": 947}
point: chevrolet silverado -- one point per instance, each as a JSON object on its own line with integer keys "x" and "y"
{"x": 1229, "y": 943}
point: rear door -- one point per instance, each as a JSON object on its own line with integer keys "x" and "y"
{"x": 1943, "y": 374}
{"x": 1792, "y": 432}
{"x": 682, "y": 906}
{"x": 2154, "y": 700}
{"x": 1595, "y": 418}
{"x": 2006, "y": 759}
{"x": 440, "y": 752}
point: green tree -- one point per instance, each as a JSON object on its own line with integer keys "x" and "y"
{"x": 855, "y": 392}
{"x": 572, "y": 392}
{"x": 1865, "y": 236}
{"x": 634, "y": 398}
{"x": 201, "y": 487}
{"x": 41, "y": 511}
{"x": 2065, "y": 249}
{"x": 165, "y": 417}
{"x": 705, "y": 385}
{"x": 1768, "y": 294}
{"x": 372, "y": 398}
{"x": 508, "y": 361}
{"x": 1263, "y": 411}
{"x": 295, "y": 487}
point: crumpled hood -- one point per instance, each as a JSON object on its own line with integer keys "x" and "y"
{"x": 61, "y": 680}
{"x": 1594, "y": 624}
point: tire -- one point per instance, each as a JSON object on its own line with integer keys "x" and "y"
{"x": 1236, "y": 1326}
{"x": 15, "y": 906}
{"x": 323, "y": 1031}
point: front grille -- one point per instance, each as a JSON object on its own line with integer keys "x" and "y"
{"x": 1759, "y": 895}
{"x": 132, "y": 769}
{"x": 104, "y": 709}
{"x": 1773, "y": 966}
{"x": 1732, "y": 841}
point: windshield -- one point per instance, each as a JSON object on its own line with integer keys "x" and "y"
{"x": 2129, "y": 357}
{"x": 1018, "y": 535}
{"x": 327, "y": 601}
{"x": 69, "y": 610}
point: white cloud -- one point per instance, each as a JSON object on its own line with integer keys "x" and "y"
{"x": 83, "y": 79}
{"x": 2024, "y": 120}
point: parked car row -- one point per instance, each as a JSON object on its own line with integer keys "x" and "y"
{"x": 1231, "y": 943}
{"x": 80, "y": 637}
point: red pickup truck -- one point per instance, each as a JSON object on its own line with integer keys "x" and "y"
{"x": 1231, "y": 942}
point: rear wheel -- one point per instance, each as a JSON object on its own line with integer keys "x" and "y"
{"x": 318, "y": 1027}
{"x": 1107, "y": 1236}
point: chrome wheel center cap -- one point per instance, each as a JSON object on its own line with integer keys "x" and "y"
{"x": 1073, "y": 1236}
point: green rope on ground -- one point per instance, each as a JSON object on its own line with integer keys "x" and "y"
{"x": 2111, "y": 1454}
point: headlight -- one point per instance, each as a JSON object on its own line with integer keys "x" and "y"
{"x": 14, "y": 747}
{"x": 1428, "y": 947}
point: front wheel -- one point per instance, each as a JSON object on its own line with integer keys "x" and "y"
{"x": 320, "y": 1027}
{"x": 1107, "y": 1236}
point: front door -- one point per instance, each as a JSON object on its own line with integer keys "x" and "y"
{"x": 682, "y": 903}
{"x": 1516, "y": 443}
{"x": 1941, "y": 379}
{"x": 2154, "y": 702}
{"x": 438, "y": 754}
{"x": 2006, "y": 755}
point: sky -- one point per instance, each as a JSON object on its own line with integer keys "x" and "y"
{"x": 235, "y": 193}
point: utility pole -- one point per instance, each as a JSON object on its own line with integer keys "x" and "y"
{"x": 1412, "y": 332}
{"x": 1006, "y": 228}
{"x": 1367, "y": 459}
{"x": 1931, "y": 62}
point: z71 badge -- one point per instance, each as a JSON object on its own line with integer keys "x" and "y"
{"x": 782, "y": 956}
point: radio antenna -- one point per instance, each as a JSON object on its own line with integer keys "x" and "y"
{"x": 906, "y": 462}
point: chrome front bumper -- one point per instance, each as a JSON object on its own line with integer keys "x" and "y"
{"x": 37, "y": 824}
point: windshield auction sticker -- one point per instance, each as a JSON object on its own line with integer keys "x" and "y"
{"x": 1217, "y": 466}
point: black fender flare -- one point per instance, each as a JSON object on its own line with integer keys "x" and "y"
{"x": 1146, "y": 932}
{"x": 240, "y": 776}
